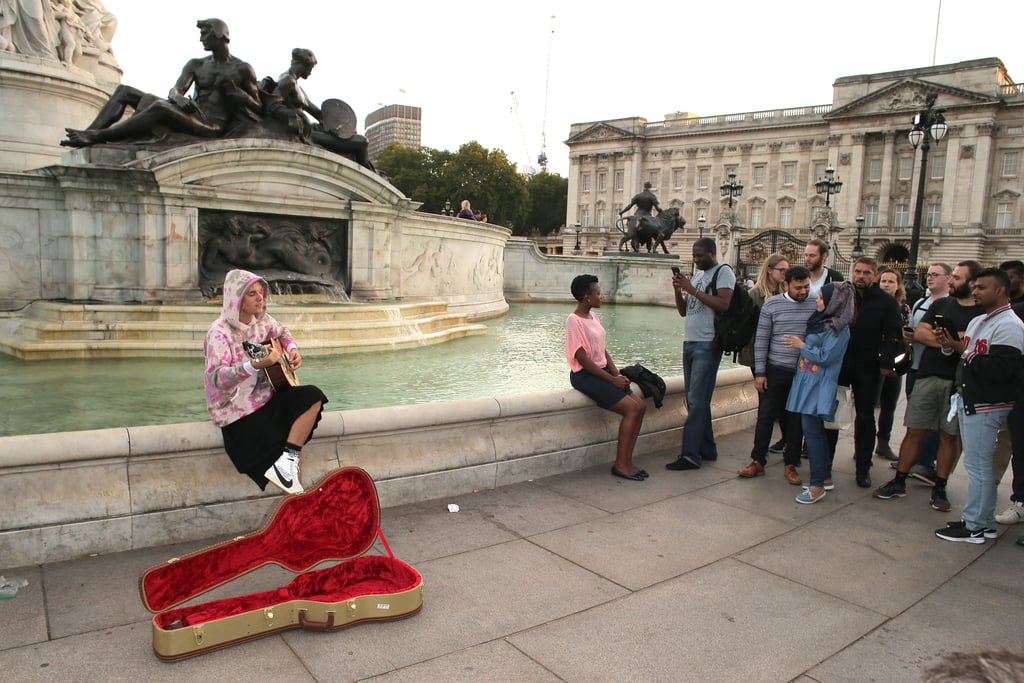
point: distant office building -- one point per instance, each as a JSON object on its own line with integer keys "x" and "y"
{"x": 395, "y": 124}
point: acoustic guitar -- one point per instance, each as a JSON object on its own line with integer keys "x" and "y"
{"x": 281, "y": 374}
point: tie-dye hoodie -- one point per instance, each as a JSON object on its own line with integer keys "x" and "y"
{"x": 231, "y": 392}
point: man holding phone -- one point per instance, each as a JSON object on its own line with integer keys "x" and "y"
{"x": 928, "y": 405}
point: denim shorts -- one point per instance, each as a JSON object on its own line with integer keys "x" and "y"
{"x": 604, "y": 393}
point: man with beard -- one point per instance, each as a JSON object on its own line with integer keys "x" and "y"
{"x": 874, "y": 338}
{"x": 928, "y": 403}
{"x": 774, "y": 369}
{"x": 815, "y": 255}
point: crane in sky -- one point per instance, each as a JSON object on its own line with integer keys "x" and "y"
{"x": 542, "y": 158}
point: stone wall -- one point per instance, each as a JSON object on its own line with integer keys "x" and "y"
{"x": 635, "y": 279}
{"x": 104, "y": 491}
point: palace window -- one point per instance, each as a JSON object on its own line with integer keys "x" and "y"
{"x": 585, "y": 182}
{"x": 702, "y": 214}
{"x": 871, "y": 216}
{"x": 759, "y": 175}
{"x": 602, "y": 182}
{"x": 904, "y": 168}
{"x": 703, "y": 178}
{"x": 652, "y": 178}
{"x": 755, "y": 218}
{"x": 938, "y": 166}
{"x": 932, "y": 220}
{"x": 1010, "y": 160}
{"x": 678, "y": 175}
{"x": 819, "y": 169}
{"x": 788, "y": 174}
{"x": 619, "y": 180}
{"x": 901, "y": 218}
{"x": 785, "y": 217}
{"x": 1004, "y": 215}
{"x": 600, "y": 218}
{"x": 874, "y": 169}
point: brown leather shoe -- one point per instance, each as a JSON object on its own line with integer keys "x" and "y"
{"x": 792, "y": 476}
{"x": 754, "y": 469}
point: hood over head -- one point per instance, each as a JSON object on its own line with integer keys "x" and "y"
{"x": 235, "y": 284}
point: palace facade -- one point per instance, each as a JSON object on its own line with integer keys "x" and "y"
{"x": 974, "y": 180}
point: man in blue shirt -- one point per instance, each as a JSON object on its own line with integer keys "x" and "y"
{"x": 698, "y": 302}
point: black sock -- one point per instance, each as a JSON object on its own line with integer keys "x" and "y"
{"x": 901, "y": 478}
{"x": 292, "y": 448}
{"x": 940, "y": 484}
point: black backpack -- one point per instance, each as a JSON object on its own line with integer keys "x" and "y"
{"x": 735, "y": 326}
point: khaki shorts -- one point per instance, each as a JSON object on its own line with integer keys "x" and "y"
{"x": 928, "y": 406}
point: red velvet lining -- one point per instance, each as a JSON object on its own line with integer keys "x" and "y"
{"x": 335, "y": 520}
{"x": 373, "y": 575}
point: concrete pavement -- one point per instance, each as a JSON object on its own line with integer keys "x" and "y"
{"x": 586, "y": 577}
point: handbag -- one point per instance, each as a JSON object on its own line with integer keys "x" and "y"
{"x": 844, "y": 409}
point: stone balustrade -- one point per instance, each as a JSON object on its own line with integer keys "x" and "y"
{"x": 75, "y": 493}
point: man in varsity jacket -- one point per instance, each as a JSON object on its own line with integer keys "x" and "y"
{"x": 991, "y": 356}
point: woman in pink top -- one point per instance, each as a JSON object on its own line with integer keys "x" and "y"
{"x": 594, "y": 373}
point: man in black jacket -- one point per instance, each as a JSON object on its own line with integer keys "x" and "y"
{"x": 874, "y": 337}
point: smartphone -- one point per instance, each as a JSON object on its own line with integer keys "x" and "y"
{"x": 948, "y": 325}
{"x": 675, "y": 269}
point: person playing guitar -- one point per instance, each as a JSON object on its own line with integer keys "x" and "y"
{"x": 264, "y": 425}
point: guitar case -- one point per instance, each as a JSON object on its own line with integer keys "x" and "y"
{"x": 337, "y": 519}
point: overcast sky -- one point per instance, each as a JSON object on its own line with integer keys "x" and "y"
{"x": 461, "y": 61}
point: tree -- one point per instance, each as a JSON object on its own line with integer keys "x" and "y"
{"x": 485, "y": 177}
{"x": 549, "y": 196}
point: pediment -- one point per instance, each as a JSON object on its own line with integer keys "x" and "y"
{"x": 1006, "y": 195}
{"x": 908, "y": 96}
{"x": 599, "y": 132}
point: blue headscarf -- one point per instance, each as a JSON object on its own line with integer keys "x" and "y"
{"x": 839, "y": 309}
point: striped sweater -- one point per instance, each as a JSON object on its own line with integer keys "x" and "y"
{"x": 780, "y": 315}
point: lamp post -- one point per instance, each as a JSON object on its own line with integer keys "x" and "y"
{"x": 858, "y": 250}
{"x": 701, "y": 221}
{"x": 577, "y": 250}
{"x": 732, "y": 188}
{"x": 447, "y": 210}
{"x": 929, "y": 124}
{"x": 828, "y": 185}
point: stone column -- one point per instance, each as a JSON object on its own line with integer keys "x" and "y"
{"x": 885, "y": 187}
{"x": 950, "y": 198}
{"x": 980, "y": 182}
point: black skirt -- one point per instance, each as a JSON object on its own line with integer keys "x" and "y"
{"x": 257, "y": 440}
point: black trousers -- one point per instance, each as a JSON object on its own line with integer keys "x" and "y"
{"x": 888, "y": 396}
{"x": 771, "y": 406}
{"x": 865, "y": 382}
{"x": 1015, "y": 422}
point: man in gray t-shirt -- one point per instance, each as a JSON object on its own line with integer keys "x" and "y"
{"x": 698, "y": 302}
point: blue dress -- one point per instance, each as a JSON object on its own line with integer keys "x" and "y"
{"x": 817, "y": 374}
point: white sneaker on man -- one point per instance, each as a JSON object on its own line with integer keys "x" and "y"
{"x": 1012, "y": 514}
{"x": 284, "y": 473}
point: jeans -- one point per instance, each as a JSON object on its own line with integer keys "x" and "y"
{"x": 978, "y": 433}
{"x": 819, "y": 450}
{"x": 771, "y": 405}
{"x": 700, "y": 371}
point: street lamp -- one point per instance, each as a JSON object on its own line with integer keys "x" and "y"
{"x": 732, "y": 188}
{"x": 577, "y": 250}
{"x": 858, "y": 250}
{"x": 701, "y": 222}
{"x": 828, "y": 185}
{"x": 447, "y": 210}
{"x": 928, "y": 125}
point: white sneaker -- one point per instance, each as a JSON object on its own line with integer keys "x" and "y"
{"x": 284, "y": 474}
{"x": 1012, "y": 514}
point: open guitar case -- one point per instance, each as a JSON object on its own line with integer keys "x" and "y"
{"x": 337, "y": 519}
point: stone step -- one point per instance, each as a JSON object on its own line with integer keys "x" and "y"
{"x": 126, "y": 331}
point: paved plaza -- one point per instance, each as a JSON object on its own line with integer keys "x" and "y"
{"x": 689, "y": 576}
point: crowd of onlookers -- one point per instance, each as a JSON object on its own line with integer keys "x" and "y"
{"x": 822, "y": 344}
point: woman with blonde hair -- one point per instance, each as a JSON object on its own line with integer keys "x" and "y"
{"x": 466, "y": 211}
{"x": 771, "y": 280}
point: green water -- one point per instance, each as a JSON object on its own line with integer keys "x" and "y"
{"x": 521, "y": 353}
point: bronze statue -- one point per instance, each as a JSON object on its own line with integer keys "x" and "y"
{"x": 644, "y": 202}
{"x": 226, "y": 95}
{"x": 288, "y": 103}
{"x": 652, "y": 232}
